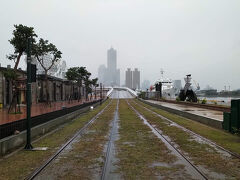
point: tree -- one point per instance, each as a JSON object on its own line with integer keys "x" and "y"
{"x": 42, "y": 49}
{"x": 88, "y": 83}
{"x": 12, "y": 76}
{"x": 21, "y": 34}
{"x": 95, "y": 84}
{"x": 78, "y": 75}
{"x": 19, "y": 41}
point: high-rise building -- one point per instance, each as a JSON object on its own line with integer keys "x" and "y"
{"x": 128, "y": 80}
{"x": 110, "y": 75}
{"x": 136, "y": 79}
{"x": 112, "y": 59}
{"x": 102, "y": 73}
{"x": 132, "y": 80}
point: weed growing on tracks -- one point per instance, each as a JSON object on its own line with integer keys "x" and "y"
{"x": 222, "y": 138}
{"x": 201, "y": 154}
{"x": 85, "y": 158}
{"x": 23, "y": 163}
{"x": 141, "y": 154}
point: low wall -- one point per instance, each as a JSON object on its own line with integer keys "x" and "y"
{"x": 10, "y": 143}
{"x": 204, "y": 120}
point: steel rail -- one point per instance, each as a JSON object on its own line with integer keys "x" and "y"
{"x": 191, "y": 132}
{"x": 169, "y": 143}
{"x": 80, "y": 132}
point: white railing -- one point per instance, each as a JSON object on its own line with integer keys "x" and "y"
{"x": 132, "y": 92}
{"x": 109, "y": 92}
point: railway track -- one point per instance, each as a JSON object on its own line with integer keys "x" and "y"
{"x": 68, "y": 143}
{"x": 107, "y": 163}
{"x": 191, "y": 168}
{"x": 191, "y": 132}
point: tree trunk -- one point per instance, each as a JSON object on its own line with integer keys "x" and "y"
{"x": 86, "y": 94}
{"x": 79, "y": 92}
{"x": 47, "y": 88}
{"x": 80, "y": 89}
{"x": 14, "y": 97}
{"x": 95, "y": 93}
{"x": 18, "y": 60}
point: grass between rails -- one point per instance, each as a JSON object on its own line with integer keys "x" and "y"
{"x": 141, "y": 154}
{"x": 86, "y": 157}
{"x": 201, "y": 154}
{"x": 222, "y": 138}
{"x": 23, "y": 163}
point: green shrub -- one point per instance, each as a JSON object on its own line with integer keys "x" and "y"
{"x": 142, "y": 95}
{"x": 177, "y": 99}
{"x": 204, "y": 101}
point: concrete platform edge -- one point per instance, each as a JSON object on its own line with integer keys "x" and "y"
{"x": 204, "y": 120}
{"x": 10, "y": 143}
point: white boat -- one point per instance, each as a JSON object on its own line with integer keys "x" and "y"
{"x": 168, "y": 90}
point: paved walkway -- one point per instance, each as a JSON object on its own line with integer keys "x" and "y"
{"x": 37, "y": 109}
{"x": 120, "y": 94}
{"x": 217, "y": 115}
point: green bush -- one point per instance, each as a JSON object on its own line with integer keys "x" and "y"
{"x": 235, "y": 131}
{"x": 177, "y": 99}
{"x": 204, "y": 101}
{"x": 142, "y": 95}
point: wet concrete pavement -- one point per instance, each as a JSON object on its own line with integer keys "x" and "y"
{"x": 217, "y": 115}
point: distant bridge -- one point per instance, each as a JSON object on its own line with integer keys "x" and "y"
{"x": 132, "y": 92}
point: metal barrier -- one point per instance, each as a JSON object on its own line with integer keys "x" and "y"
{"x": 231, "y": 120}
{"x": 20, "y": 125}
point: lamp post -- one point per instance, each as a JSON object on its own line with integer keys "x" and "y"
{"x": 29, "y": 98}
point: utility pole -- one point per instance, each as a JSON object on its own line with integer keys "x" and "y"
{"x": 29, "y": 96}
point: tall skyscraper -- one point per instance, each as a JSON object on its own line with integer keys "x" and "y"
{"x": 112, "y": 59}
{"x": 132, "y": 80}
{"x": 110, "y": 75}
{"x": 128, "y": 80}
{"x": 136, "y": 79}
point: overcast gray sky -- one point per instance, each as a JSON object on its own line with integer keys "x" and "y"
{"x": 201, "y": 37}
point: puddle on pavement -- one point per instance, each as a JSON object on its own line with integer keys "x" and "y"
{"x": 132, "y": 144}
{"x": 162, "y": 164}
